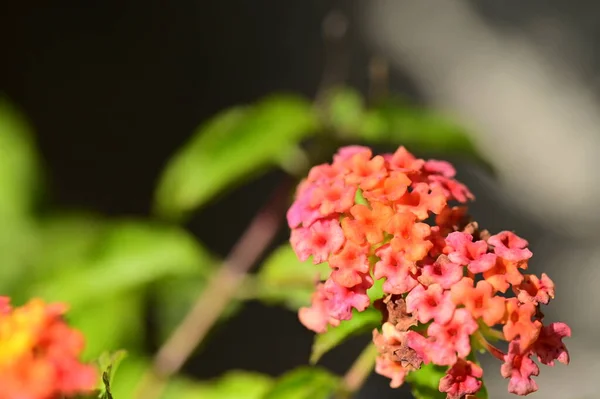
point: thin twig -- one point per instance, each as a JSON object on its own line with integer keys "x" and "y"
{"x": 335, "y": 69}
{"x": 358, "y": 373}
{"x": 214, "y": 299}
{"x": 379, "y": 79}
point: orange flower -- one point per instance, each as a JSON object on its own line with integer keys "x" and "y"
{"x": 479, "y": 301}
{"x": 38, "y": 354}
{"x": 519, "y": 324}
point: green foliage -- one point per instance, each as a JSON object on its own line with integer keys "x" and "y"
{"x": 130, "y": 255}
{"x": 106, "y": 270}
{"x": 230, "y": 147}
{"x": 108, "y": 364}
{"x": 420, "y": 130}
{"x": 344, "y": 110}
{"x": 283, "y": 279}
{"x": 232, "y": 385}
{"x": 112, "y": 323}
{"x": 376, "y": 291}
{"x": 361, "y": 323}
{"x": 304, "y": 383}
{"x": 19, "y": 166}
{"x": 425, "y": 382}
{"x": 19, "y": 186}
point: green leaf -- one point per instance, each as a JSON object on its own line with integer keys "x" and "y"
{"x": 111, "y": 323}
{"x": 360, "y": 323}
{"x": 232, "y": 385}
{"x": 64, "y": 239}
{"x": 108, "y": 363}
{"x": 345, "y": 109}
{"x": 425, "y": 381}
{"x": 19, "y": 186}
{"x": 128, "y": 256}
{"x": 229, "y": 148}
{"x": 360, "y": 199}
{"x": 285, "y": 279}
{"x": 420, "y": 130}
{"x": 376, "y": 291}
{"x": 304, "y": 383}
{"x": 19, "y": 166}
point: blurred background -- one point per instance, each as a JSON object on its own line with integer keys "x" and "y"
{"x": 112, "y": 89}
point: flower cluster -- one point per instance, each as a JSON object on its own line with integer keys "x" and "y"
{"x": 391, "y": 218}
{"x": 38, "y": 353}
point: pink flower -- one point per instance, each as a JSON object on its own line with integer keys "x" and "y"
{"x": 461, "y": 379}
{"x": 419, "y": 344}
{"x": 510, "y": 246}
{"x": 332, "y": 302}
{"x": 549, "y": 346}
{"x": 463, "y": 251}
{"x": 421, "y": 200}
{"x": 346, "y": 153}
{"x": 317, "y": 317}
{"x": 443, "y": 168}
{"x": 320, "y": 240}
{"x": 333, "y": 198}
{"x": 342, "y": 300}
{"x": 519, "y": 368}
{"x": 350, "y": 264}
{"x": 301, "y": 212}
{"x": 393, "y": 370}
{"x": 452, "y": 189}
{"x": 535, "y": 290}
{"x": 431, "y": 303}
{"x": 451, "y": 338}
{"x": 442, "y": 272}
{"x": 404, "y": 161}
{"x": 4, "y": 304}
{"x": 397, "y": 271}
{"x": 519, "y": 324}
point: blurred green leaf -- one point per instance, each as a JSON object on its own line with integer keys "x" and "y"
{"x": 232, "y": 385}
{"x": 114, "y": 322}
{"x": 420, "y": 130}
{"x": 126, "y": 381}
{"x": 345, "y": 109}
{"x": 304, "y": 383}
{"x": 284, "y": 279}
{"x": 19, "y": 167}
{"x": 230, "y": 147}
{"x": 425, "y": 381}
{"x": 65, "y": 239}
{"x": 129, "y": 255}
{"x": 19, "y": 186}
{"x": 108, "y": 364}
{"x": 360, "y": 323}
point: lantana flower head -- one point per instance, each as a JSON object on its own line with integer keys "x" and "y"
{"x": 404, "y": 220}
{"x": 39, "y": 353}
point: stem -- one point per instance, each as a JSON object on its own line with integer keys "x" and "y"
{"x": 211, "y": 303}
{"x": 358, "y": 373}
